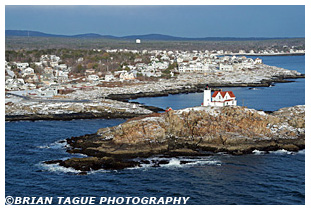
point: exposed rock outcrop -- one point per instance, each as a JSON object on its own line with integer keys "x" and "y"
{"x": 35, "y": 109}
{"x": 192, "y": 131}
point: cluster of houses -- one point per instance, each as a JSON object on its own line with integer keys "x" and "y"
{"x": 54, "y": 76}
{"x": 205, "y": 62}
{"x": 194, "y": 61}
{"x": 190, "y": 62}
{"x": 52, "y": 72}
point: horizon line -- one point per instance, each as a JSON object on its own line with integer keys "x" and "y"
{"x": 176, "y": 36}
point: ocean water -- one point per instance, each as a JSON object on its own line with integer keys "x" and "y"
{"x": 273, "y": 178}
{"x": 259, "y": 98}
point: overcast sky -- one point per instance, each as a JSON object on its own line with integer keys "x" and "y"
{"x": 182, "y": 21}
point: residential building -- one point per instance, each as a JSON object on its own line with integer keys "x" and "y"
{"x": 219, "y": 98}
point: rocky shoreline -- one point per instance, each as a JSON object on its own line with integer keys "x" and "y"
{"x": 80, "y": 115}
{"x": 196, "y": 131}
{"x": 189, "y": 88}
{"x": 69, "y": 116}
{"x": 105, "y": 102}
{"x": 28, "y": 109}
{"x": 128, "y": 96}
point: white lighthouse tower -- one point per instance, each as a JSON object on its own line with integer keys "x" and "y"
{"x": 207, "y": 98}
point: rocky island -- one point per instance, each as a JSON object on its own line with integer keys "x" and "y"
{"x": 196, "y": 131}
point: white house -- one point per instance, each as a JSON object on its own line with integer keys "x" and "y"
{"x": 225, "y": 67}
{"x": 48, "y": 92}
{"x": 22, "y": 65}
{"x": 15, "y": 84}
{"x": 219, "y": 98}
{"x": 258, "y": 61}
{"x": 48, "y": 70}
{"x": 10, "y": 73}
{"x": 27, "y": 71}
{"x": 61, "y": 76}
{"x": 49, "y": 58}
{"x": 90, "y": 71}
{"x": 193, "y": 67}
{"x": 126, "y": 76}
{"x": 109, "y": 77}
{"x": 38, "y": 64}
{"x": 93, "y": 77}
{"x": 62, "y": 67}
{"x": 151, "y": 73}
{"x": 179, "y": 60}
{"x": 53, "y": 64}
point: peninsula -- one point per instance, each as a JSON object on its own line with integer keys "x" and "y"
{"x": 60, "y": 93}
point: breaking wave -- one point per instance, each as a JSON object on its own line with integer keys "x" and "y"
{"x": 278, "y": 152}
{"x": 258, "y": 152}
{"x": 97, "y": 171}
{"x": 175, "y": 162}
{"x": 282, "y": 151}
{"x": 57, "y": 168}
{"x": 55, "y": 145}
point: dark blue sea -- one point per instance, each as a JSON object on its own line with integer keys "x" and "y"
{"x": 274, "y": 178}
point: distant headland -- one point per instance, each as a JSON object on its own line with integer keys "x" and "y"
{"x": 159, "y": 37}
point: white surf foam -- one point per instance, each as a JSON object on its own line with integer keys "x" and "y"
{"x": 57, "y": 168}
{"x": 258, "y": 152}
{"x": 281, "y": 152}
{"x": 177, "y": 162}
{"x": 97, "y": 171}
{"x": 174, "y": 162}
{"x": 55, "y": 145}
{"x": 43, "y": 147}
{"x": 205, "y": 162}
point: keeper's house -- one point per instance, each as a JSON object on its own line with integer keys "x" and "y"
{"x": 219, "y": 98}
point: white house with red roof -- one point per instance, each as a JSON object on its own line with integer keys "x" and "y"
{"x": 219, "y": 98}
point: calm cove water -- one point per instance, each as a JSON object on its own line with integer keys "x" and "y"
{"x": 260, "y": 98}
{"x": 274, "y": 178}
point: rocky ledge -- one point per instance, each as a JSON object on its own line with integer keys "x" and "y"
{"x": 199, "y": 87}
{"x": 193, "y": 131}
{"x": 71, "y": 116}
{"x": 35, "y": 109}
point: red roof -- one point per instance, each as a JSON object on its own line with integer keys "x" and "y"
{"x": 223, "y": 93}
{"x": 224, "y": 100}
{"x": 231, "y": 94}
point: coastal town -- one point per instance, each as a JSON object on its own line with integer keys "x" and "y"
{"x": 51, "y": 86}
